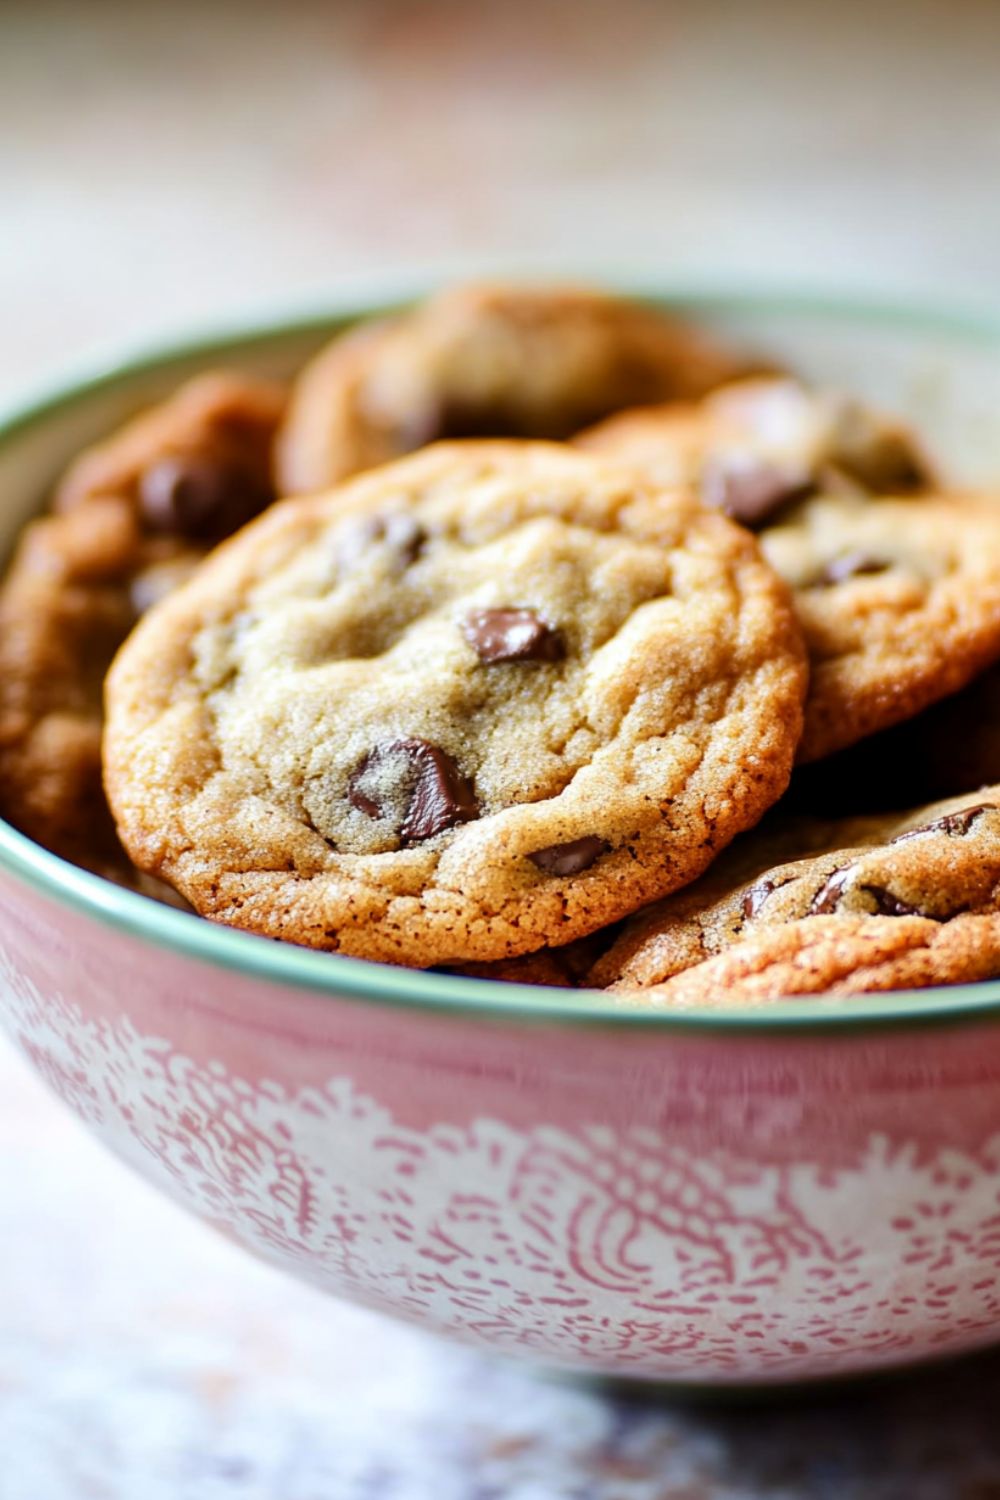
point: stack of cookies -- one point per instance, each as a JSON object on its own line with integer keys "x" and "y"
{"x": 580, "y": 651}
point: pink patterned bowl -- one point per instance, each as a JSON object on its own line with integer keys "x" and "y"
{"x": 709, "y": 1199}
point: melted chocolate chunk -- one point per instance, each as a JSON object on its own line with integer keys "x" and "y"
{"x": 402, "y": 534}
{"x": 200, "y": 498}
{"x": 754, "y": 898}
{"x": 752, "y": 490}
{"x": 828, "y": 898}
{"x": 888, "y": 905}
{"x": 955, "y": 824}
{"x": 498, "y": 635}
{"x": 434, "y": 793}
{"x": 571, "y": 858}
{"x": 851, "y": 565}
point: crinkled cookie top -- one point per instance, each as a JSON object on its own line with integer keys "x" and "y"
{"x": 489, "y": 698}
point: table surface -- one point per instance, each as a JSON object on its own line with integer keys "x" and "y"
{"x": 165, "y": 165}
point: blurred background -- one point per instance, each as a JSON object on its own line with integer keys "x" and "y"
{"x": 165, "y": 165}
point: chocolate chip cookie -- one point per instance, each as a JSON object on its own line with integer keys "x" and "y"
{"x": 879, "y": 903}
{"x": 130, "y": 519}
{"x": 834, "y": 956}
{"x": 478, "y": 702}
{"x": 899, "y": 598}
{"x": 755, "y": 447}
{"x": 485, "y": 361}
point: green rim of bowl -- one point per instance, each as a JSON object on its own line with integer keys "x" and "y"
{"x": 350, "y": 978}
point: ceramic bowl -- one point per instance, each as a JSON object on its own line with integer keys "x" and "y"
{"x": 706, "y": 1199}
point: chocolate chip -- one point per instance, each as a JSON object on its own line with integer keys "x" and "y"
{"x": 851, "y": 565}
{"x": 419, "y": 782}
{"x": 402, "y": 534}
{"x": 888, "y": 905}
{"x": 571, "y": 858}
{"x": 828, "y": 898}
{"x": 955, "y": 824}
{"x": 755, "y": 897}
{"x": 750, "y": 489}
{"x": 200, "y": 498}
{"x": 511, "y": 635}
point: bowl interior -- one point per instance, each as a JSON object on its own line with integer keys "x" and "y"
{"x": 941, "y": 369}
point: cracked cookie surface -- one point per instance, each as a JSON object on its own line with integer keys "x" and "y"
{"x": 914, "y": 875}
{"x": 487, "y": 699}
{"x": 130, "y": 519}
{"x": 897, "y": 586}
{"x": 485, "y": 361}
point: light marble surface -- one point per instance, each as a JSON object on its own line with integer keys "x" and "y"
{"x": 162, "y": 165}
